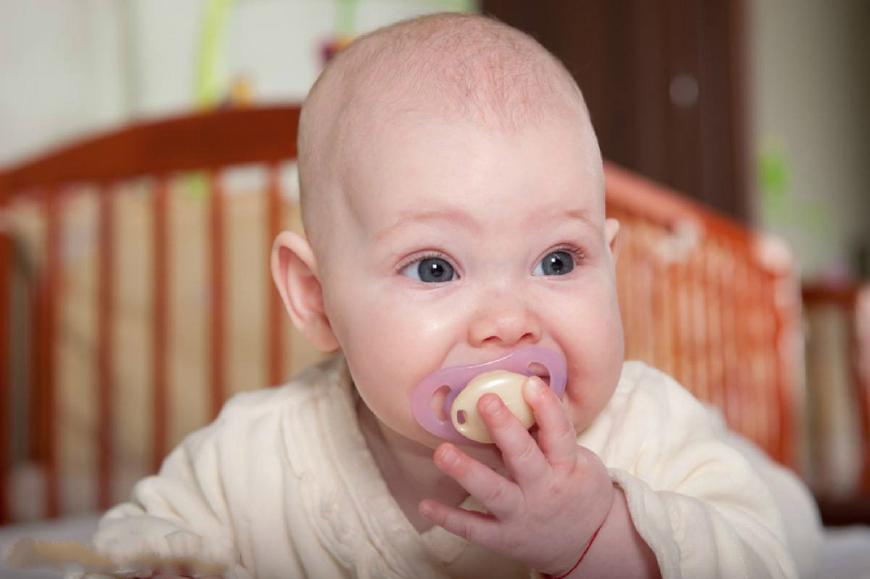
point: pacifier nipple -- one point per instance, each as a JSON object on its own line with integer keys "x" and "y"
{"x": 506, "y": 385}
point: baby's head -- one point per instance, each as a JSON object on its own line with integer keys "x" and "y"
{"x": 453, "y": 202}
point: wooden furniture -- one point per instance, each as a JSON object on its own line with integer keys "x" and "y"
{"x": 715, "y": 305}
{"x": 839, "y": 313}
{"x": 203, "y": 142}
{"x": 666, "y": 84}
{"x": 702, "y": 297}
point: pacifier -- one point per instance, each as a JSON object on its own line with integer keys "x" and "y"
{"x": 465, "y": 385}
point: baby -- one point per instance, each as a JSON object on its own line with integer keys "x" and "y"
{"x": 453, "y": 202}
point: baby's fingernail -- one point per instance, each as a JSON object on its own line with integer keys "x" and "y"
{"x": 490, "y": 403}
{"x": 449, "y": 456}
{"x": 425, "y": 509}
{"x": 534, "y": 387}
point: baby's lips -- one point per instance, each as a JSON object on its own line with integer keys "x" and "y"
{"x": 523, "y": 361}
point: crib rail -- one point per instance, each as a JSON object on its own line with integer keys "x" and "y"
{"x": 210, "y": 142}
{"x": 715, "y": 305}
{"x": 700, "y": 295}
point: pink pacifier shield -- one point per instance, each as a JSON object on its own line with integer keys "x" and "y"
{"x": 522, "y": 361}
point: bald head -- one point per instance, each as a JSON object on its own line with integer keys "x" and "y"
{"x": 451, "y": 67}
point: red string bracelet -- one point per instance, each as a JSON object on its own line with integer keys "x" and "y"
{"x": 582, "y": 555}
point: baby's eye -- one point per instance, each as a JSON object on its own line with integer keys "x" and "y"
{"x": 429, "y": 270}
{"x": 555, "y": 263}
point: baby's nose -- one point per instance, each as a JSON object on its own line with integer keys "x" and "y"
{"x": 506, "y": 322}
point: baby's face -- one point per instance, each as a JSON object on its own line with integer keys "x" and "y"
{"x": 457, "y": 244}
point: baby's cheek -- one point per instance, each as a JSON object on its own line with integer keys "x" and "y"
{"x": 593, "y": 373}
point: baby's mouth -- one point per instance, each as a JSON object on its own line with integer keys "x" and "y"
{"x": 541, "y": 372}
{"x": 440, "y": 408}
{"x": 434, "y": 398}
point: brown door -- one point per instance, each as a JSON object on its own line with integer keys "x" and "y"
{"x": 664, "y": 81}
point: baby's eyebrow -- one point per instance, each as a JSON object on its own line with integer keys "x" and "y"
{"x": 551, "y": 218}
{"x": 580, "y": 215}
{"x": 459, "y": 217}
{"x": 453, "y": 216}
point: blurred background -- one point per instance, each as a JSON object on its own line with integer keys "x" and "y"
{"x": 758, "y": 109}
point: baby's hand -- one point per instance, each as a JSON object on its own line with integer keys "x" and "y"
{"x": 559, "y": 496}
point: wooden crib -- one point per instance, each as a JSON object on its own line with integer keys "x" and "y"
{"x": 136, "y": 297}
{"x": 838, "y": 352}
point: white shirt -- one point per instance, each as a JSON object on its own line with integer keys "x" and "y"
{"x": 282, "y": 484}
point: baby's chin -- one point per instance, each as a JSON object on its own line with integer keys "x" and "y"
{"x": 583, "y": 414}
{"x": 488, "y": 453}
{"x": 421, "y": 438}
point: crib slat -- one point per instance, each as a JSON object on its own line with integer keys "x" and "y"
{"x": 745, "y": 333}
{"x": 763, "y": 423}
{"x": 623, "y": 281}
{"x": 784, "y": 297}
{"x": 719, "y": 309}
{"x": 713, "y": 325}
{"x": 105, "y": 326}
{"x": 643, "y": 282}
{"x": 695, "y": 381}
{"x": 160, "y": 332}
{"x": 743, "y": 339}
{"x": 632, "y": 321}
{"x": 274, "y": 312}
{"x": 775, "y": 339}
{"x": 677, "y": 282}
{"x": 217, "y": 380}
{"x": 762, "y": 338}
{"x": 729, "y": 312}
{"x": 45, "y": 406}
{"x": 660, "y": 318}
{"x": 859, "y": 337}
{"x": 6, "y": 256}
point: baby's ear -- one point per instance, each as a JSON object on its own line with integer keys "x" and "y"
{"x": 611, "y": 233}
{"x": 294, "y": 270}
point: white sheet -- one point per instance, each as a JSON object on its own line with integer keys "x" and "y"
{"x": 845, "y": 554}
{"x": 79, "y": 528}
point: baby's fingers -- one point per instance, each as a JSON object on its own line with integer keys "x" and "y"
{"x": 556, "y": 435}
{"x": 525, "y": 461}
{"x": 476, "y": 527}
{"x": 497, "y": 494}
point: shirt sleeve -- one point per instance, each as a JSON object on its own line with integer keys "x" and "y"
{"x": 181, "y": 512}
{"x": 708, "y": 504}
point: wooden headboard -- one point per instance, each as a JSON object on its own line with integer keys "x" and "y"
{"x": 702, "y": 297}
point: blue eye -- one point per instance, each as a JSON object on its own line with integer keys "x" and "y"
{"x": 555, "y": 263}
{"x": 430, "y": 270}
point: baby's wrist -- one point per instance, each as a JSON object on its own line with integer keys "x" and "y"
{"x": 588, "y": 546}
{"x": 582, "y": 556}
